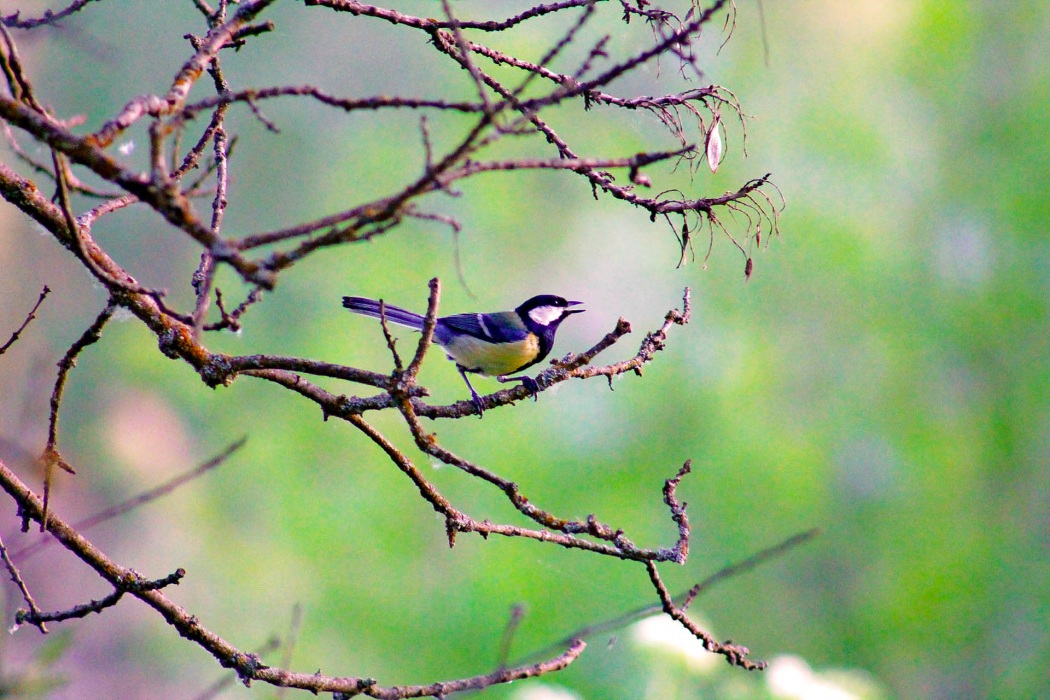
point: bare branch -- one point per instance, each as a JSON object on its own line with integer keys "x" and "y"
{"x": 395, "y": 17}
{"x": 16, "y": 577}
{"x": 49, "y": 17}
{"x": 51, "y": 457}
{"x": 173, "y": 206}
{"x": 134, "y": 583}
{"x": 151, "y": 105}
{"x": 510, "y": 93}
{"x": 29, "y": 319}
{"x": 684, "y": 599}
{"x": 735, "y": 654}
{"x": 429, "y": 323}
{"x": 249, "y": 666}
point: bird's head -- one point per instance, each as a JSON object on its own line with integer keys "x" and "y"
{"x": 547, "y": 310}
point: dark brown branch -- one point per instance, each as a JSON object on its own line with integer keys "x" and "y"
{"x": 391, "y": 343}
{"x": 575, "y": 164}
{"x": 175, "y": 208}
{"x": 395, "y": 17}
{"x": 51, "y": 457}
{"x": 108, "y": 207}
{"x": 218, "y": 38}
{"x": 17, "y": 82}
{"x": 29, "y": 319}
{"x": 681, "y": 549}
{"x": 347, "y": 104}
{"x": 673, "y": 39}
{"x": 620, "y": 546}
{"x": 205, "y": 275}
{"x": 597, "y": 178}
{"x": 735, "y": 654}
{"x": 457, "y": 521}
{"x": 47, "y": 170}
{"x": 75, "y": 234}
{"x": 427, "y": 490}
{"x": 463, "y": 47}
{"x": 429, "y": 323}
{"x": 15, "y": 20}
{"x": 16, "y": 578}
{"x": 242, "y": 363}
{"x": 134, "y": 583}
{"x": 684, "y": 599}
{"x": 249, "y": 667}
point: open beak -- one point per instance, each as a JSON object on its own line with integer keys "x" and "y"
{"x": 574, "y": 311}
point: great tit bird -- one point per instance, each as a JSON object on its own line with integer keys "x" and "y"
{"x": 496, "y": 344}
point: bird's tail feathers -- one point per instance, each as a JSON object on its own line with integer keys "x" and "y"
{"x": 394, "y": 314}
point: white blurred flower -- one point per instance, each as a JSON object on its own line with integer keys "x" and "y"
{"x": 665, "y": 635}
{"x": 126, "y": 148}
{"x": 790, "y": 677}
{"x": 544, "y": 691}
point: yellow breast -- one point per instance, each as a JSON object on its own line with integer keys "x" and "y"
{"x": 493, "y": 359}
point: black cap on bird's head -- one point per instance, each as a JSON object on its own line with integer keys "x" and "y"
{"x": 547, "y": 310}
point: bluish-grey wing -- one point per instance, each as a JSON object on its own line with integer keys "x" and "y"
{"x": 495, "y": 328}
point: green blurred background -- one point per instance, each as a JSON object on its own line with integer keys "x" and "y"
{"x": 885, "y": 374}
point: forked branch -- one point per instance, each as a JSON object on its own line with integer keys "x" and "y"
{"x": 506, "y": 96}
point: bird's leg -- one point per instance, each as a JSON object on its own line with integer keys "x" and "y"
{"x": 528, "y": 382}
{"x": 473, "y": 394}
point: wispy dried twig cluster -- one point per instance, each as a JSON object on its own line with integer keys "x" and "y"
{"x": 515, "y": 104}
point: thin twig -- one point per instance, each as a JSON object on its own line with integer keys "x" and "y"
{"x": 151, "y": 105}
{"x": 427, "y": 335}
{"x": 249, "y": 666}
{"x": 516, "y": 614}
{"x": 685, "y": 598}
{"x": 288, "y": 646}
{"x": 391, "y": 342}
{"x": 51, "y": 457}
{"x": 76, "y": 236}
{"x": 395, "y": 17}
{"x": 140, "y": 499}
{"x": 49, "y": 17}
{"x": 16, "y": 577}
{"x": 735, "y": 654}
{"x": 17, "y": 82}
{"x": 132, "y": 583}
{"x": 29, "y": 319}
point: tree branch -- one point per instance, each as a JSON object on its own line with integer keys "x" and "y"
{"x": 29, "y": 319}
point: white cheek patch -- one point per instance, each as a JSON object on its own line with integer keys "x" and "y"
{"x": 545, "y": 315}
